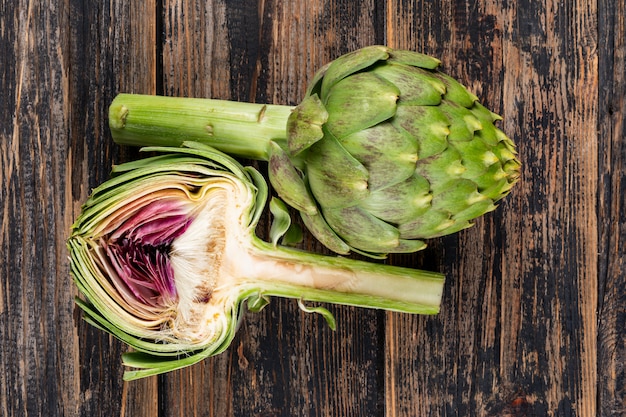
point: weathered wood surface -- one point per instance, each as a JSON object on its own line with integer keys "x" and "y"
{"x": 534, "y": 309}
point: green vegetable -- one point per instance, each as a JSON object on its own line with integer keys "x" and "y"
{"x": 165, "y": 255}
{"x": 384, "y": 152}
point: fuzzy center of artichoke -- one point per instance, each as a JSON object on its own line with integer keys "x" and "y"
{"x": 204, "y": 261}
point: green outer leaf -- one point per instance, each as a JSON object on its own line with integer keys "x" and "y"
{"x": 362, "y": 230}
{"x": 388, "y": 153}
{"x": 351, "y": 63}
{"x": 415, "y": 59}
{"x": 442, "y": 168}
{"x": 261, "y": 195}
{"x": 287, "y": 181}
{"x": 304, "y": 126}
{"x": 324, "y": 233}
{"x": 336, "y": 178}
{"x": 281, "y": 222}
{"x": 418, "y": 87}
{"x": 456, "y": 92}
{"x": 410, "y": 246}
{"x": 400, "y": 203}
{"x": 428, "y": 125}
{"x": 359, "y": 101}
{"x": 257, "y": 302}
{"x": 460, "y": 194}
{"x": 463, "y": 123}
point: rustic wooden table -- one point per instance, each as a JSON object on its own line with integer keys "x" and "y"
{"x": 534, "y": 308}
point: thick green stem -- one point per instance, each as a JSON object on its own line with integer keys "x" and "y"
{"x": 291, "y": 273}
{"x": 241, "y": 129}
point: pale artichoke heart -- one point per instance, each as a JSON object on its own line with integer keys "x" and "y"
{"x": 206, "y": 280}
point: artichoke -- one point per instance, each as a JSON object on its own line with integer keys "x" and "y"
{"x": 384, "y": 152}
{"x": 165, "y": 255}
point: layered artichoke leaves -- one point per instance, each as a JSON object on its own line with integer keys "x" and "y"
{"x": 386, "y": 151}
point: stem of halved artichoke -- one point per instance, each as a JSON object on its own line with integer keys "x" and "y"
{"x": 236, "y": 128}
{"x": 290, "y": 273}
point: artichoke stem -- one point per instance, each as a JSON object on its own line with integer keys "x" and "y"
{"x": 241, "y": 129}
{"x": 284, "y": 272}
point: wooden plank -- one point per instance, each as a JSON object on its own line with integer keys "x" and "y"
{"x": 38, "y": 339}
{"x": 112, "y": 48}
{"x": 283, "y": 361}
{"x": 612, "y": 209}
{"x": 196, "y": 62}
{"x": 295, "y": 364}
{"x": 36, "y": 307}
{"x": 59, "y": 66}
{"x": 518, "y": 329}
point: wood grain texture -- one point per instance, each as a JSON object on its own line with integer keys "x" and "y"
{"x": 534, "y": 308}
{"x": 521, "y": 307}
{"x": 273, "y": 367}
{"x": 612, "y": 209}
{"x": 112, "y": 47}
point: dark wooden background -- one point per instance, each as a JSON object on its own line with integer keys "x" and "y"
{"x": 534, "y": 308}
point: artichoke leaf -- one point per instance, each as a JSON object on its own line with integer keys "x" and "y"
{"x": 488, "y": 133}
{"x": 476, "y": 210}
{"x": 442, "y": 168}
{"x": 484, "y": 114}
{"x": 358, "y": 102}
{"x": 400, "y": 203}
{"x": 321, "y": 230}
{"x": 503, "y": 153}
{"x": 463, "y": 123}
{"x": 419, "y": 87}
{"x": 477, "y": 157}
{"x": 363, "y": 230}
{"x": 414, "y": 59}
{"x": 322, "y": 311}
{"x": 499, "y": 185}
{"x": 282, "y": 229}
{"x": 493, "y": 177}
{"x": 456, "y": 91}
{"x": 388, "y": 153}
{"x": 428, "y": 124}
{"x": 315, "y": 85}
{"x": 304, "y": 125}
{"x": 433, "y": 223}
{"x": 458, "y": 194}
{"x": 410, "y": 246}
{"x": 257, "y": 302}
{"x": 336, "y": 178}
{"x": 352, "y": 63}
{"x": 287, "y": 181}
{"x": 261, "y": 192}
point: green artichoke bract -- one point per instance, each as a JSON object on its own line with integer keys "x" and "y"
{"x": 384, "y": 152}
{"x": 165, "y": 255}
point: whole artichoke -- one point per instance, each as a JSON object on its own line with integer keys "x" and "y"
{"x": 384, "y": 152}
{"x": 393, "y": 151}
